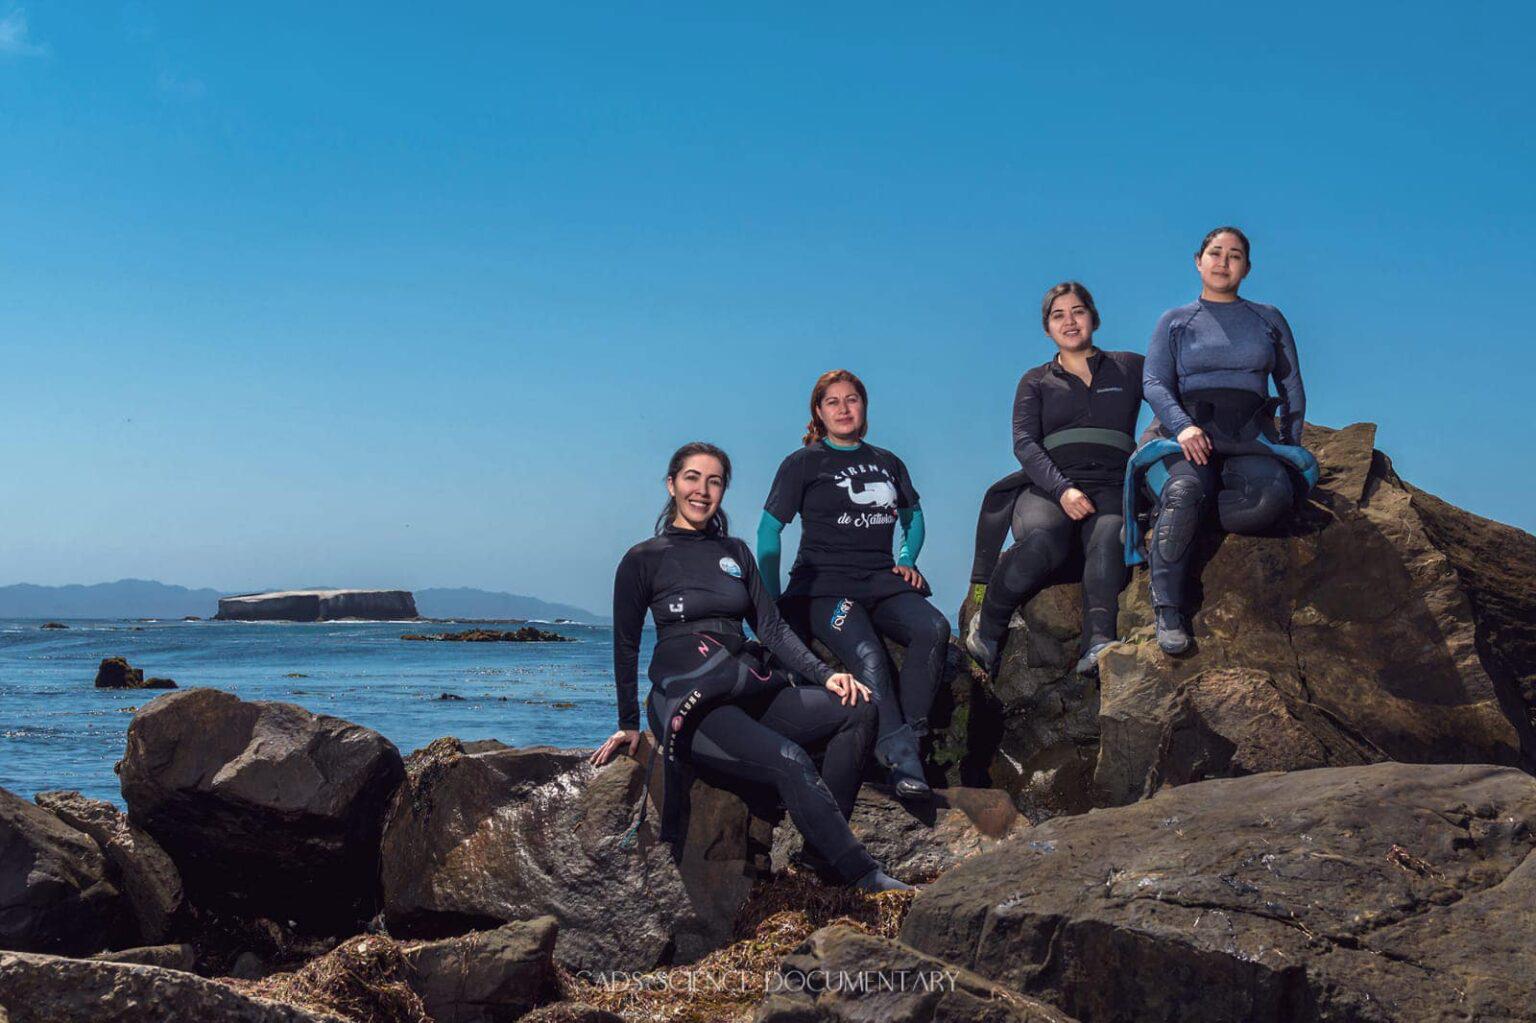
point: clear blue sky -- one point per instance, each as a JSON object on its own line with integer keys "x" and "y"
{"x": 397, "y": 295}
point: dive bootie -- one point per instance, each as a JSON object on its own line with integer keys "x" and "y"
{"x": 1088, "y": 664}
{"x": 982, "y": 651}
{"x": 877, "y": 880}
{"x": 899, "y": 754}
{"x": 1172, "y": 633}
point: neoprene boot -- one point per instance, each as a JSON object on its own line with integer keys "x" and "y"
{"x": 1088, "y": 664}
{"x": 983, "y": 651}
{"x": 1172, "y": 633}
{"x": 877, "y": 880}
{"x": 898, "y": 753}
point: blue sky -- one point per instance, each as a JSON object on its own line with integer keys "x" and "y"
{"x": 388, "y": 295}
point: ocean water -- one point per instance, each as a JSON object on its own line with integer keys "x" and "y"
{"x": 57, "y": 731}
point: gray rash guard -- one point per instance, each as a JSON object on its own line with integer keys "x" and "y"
{"x": 1236, "y": 345}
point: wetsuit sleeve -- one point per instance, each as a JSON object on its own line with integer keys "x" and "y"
{"x": 1287, "y": 374}
{"x": 771, "y": 630}
{"x": 770, "y": 546}
{"x": 1160, "y": 380}
{"x": 787, "y": 491}
{"x": 1027, "y": 435}
{"x": 911, "y": 535}
{"x": 631, "y": 597}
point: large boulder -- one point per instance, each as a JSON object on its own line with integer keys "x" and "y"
{"x": 842, "y": 974}
{"x": 486, "y": 977}
{"x": 56, "y": 892}
{"x": 139, "y": 866}
{"x": 1374, "y": 893}
{"x": 482, "y": 836}
{"x": 49, "y": 989}
{"x": 918, "y": 841}
{"x": 268, "y": 810}
{"x": 1378, "y": 623}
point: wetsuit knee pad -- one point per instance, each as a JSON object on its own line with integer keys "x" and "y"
{"x": 870, "y": 666}
{"x": 1034, "y": 557}
{"x": 799, "y": 762}
{"x": 1251, "y": 503}
{"x": 1178, "y": 517}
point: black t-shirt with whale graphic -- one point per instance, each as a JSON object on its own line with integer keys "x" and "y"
{"x": 848, "y": 501}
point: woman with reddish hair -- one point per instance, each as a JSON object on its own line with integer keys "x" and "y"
{"x": 847, "y": 588}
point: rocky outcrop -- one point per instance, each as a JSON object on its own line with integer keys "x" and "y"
{"x": 115, "y": 673}
{"x": 918, "y": 841}
{"x": 486, "y": 977}
{"x": 318, "y": 606}
{"x": 527, "y": 634}
{"x": 1383, "y": 892}
{"x": 844, "y": 975}
{"x": 181, "y": 956}
{"x": 1379, "y": 623}
{"x": 56, "y": 892}
{"x": 49, "y": 989}
{"x": 480, "y": 837}
{"x": 266, "y": 809}
{"x": 139, "y": 867}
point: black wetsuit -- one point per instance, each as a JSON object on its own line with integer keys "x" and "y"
{"x": 718, "y": 702}
{"x": 842, "y": 589}
{"x": 1068, "y": 434}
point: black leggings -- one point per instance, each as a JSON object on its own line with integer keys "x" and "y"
{"x": 1251, "y": 492}
{"x": 852, "y": 631}
{"x": 761, "y": 737}
{"x": 1043, "y": 537}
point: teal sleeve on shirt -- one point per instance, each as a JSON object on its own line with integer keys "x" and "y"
{"x": 911, "y": 536}
{"x": 769, "y": 547}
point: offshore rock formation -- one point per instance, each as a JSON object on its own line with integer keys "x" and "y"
{"x": 1386, "y": 892}
{"x": 318, "y": 606}
{"x": 268, "y": 810}
{"x": 116, "y": 673}
{"x": 1381, "y": 624}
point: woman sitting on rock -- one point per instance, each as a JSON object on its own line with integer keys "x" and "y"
{"x": 1074, "y": 420}
{"x": 1207, "y": 379}
{"x": 846, "y": 588}
{"x": 718, "y": 702}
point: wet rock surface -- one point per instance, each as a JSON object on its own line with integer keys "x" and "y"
{"x": 488, "y": 976}
{"x": 56, "y": 892}
{"x": 116, "y": 673}
{"x": 266, "y": 809}
{"x": 1384, "y": 892}
{"x": 1378, "y": 623}
{"x": 844, "y": 974}
{"x": 50, "y": 989}
{"x": 477, "y": 838}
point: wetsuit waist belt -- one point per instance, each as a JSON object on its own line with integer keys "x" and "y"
{"x": 722, "y": 626}
{"x": 1090, "y": 435}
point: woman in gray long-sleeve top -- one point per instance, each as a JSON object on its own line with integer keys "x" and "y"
{"x": 1208, "y": 369}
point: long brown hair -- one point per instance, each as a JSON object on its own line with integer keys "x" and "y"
{"x": 815, "y": 430}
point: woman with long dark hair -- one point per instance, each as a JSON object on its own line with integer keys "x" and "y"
{"x": 846, "y": 586}
{"x": 1074, "y": 420}
{"x": 718, "y": 702}
{"x": 1207, "y": 377}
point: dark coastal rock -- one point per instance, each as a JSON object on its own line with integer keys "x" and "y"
{"x": 56, "y": 892}
{"x": 53, "y": 625}
{"x": 916, "y": 841}
{"x": 115, "y": 673}
{"x": 844, "y": 975}
{"x": 139, "y": 867}
{"x": 1375, "y": 893}
{"x": 527, "y": 634}
{"x": 572, "y": 1012}
{"x": 267, "y": 809}
{"x": 318, "y": 606}
{"x": 478, "y": 839}
{"x": 486, "y": 977}
{"x": 169, "y": 957}
{"x": 50, "y": 989}
{"x": 1379, "y": 623}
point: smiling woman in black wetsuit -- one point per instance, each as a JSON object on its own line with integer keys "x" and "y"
{"x": 717, "y": 701}
{"x": 846, "y": 586}
{"x": 1073, "y": 425}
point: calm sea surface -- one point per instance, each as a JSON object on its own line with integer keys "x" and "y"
{"x": 57, "y": 731}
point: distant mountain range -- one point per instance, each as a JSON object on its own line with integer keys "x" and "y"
{"x": 145, "y": 598}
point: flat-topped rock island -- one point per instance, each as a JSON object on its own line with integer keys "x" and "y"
{"x": 318, "y": 606}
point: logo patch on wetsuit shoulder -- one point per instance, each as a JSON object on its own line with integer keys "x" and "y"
{"x": 730, "y": 568}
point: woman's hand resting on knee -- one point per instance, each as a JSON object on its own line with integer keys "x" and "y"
{"x": 623, "y": 736}
{"x": 847, "y": 688}
{"x": 1196, "y": 445}
{"x": 1076, "y": 504}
